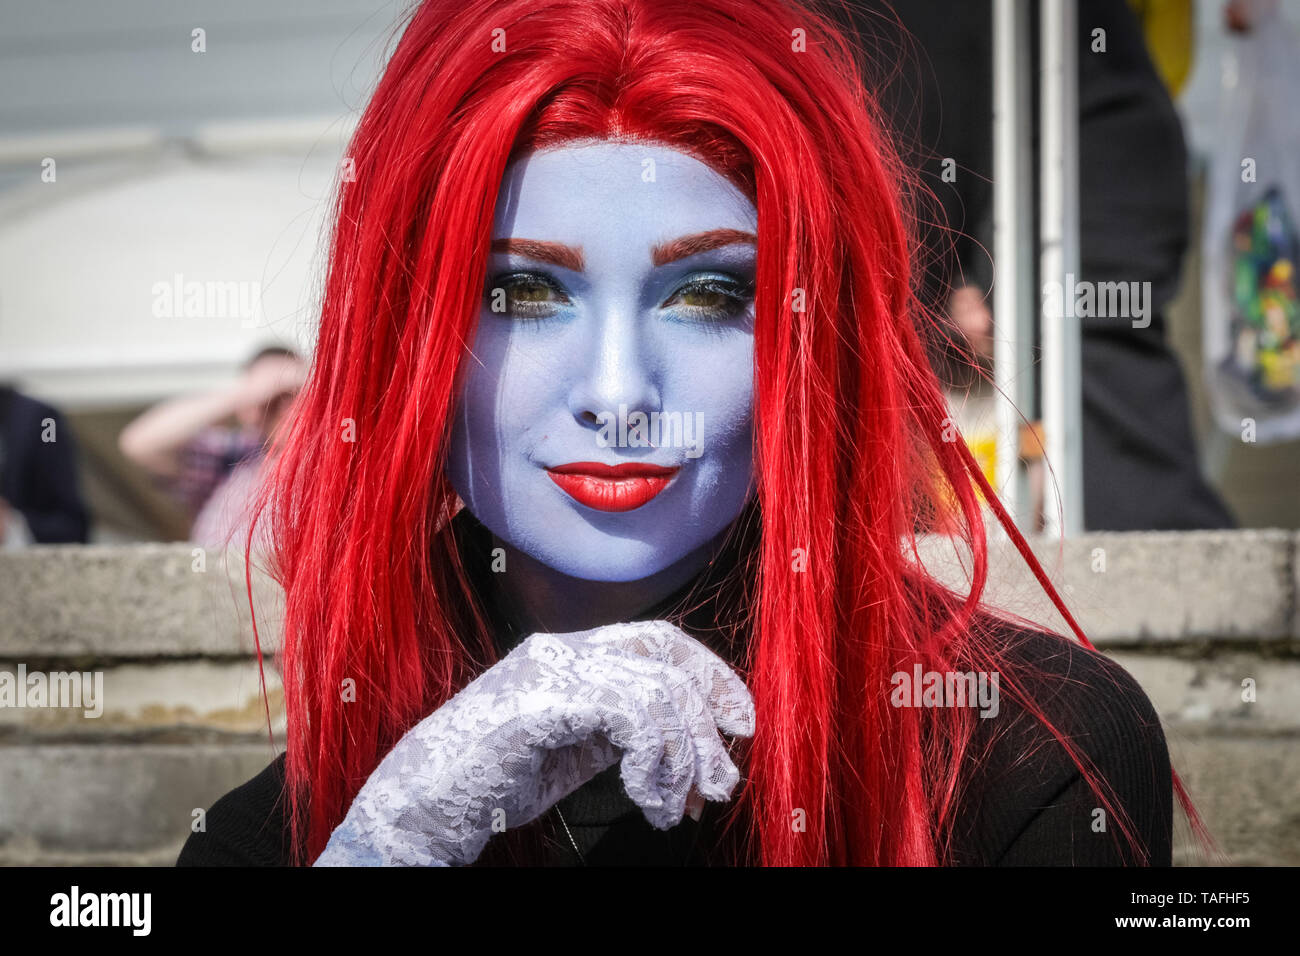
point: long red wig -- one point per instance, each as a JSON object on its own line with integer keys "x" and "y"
{"x": 849, "y": 417}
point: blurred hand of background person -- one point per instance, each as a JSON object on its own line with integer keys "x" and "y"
{"x": 1240, "y": 16}
{"x": 208, "y": 467}
{"x": 15, "y": 533}
{"x": 969, "y": 312}
{"x": 265, "y": 389}
{"x": 256, "y": 400}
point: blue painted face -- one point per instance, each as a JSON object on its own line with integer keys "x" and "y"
{"x": 605, "y": 425}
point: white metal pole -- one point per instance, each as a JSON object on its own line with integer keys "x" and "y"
{"x": 1059, "y": 201}
{"x": 1013, "y": 298}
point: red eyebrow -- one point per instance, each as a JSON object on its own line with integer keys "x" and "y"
{"x": 556, "y": 253}
{"x": 666, "y": 252}
{"x": 570, "y": 257}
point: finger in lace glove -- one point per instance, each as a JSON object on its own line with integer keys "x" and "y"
{"x": 537, "y": 725}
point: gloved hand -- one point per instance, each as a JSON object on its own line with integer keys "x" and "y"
{"x": 537, "y": 725}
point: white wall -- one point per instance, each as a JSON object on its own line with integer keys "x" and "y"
{"x": 216, "y": 166}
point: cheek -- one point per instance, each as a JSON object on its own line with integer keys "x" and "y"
{"x": 719, "y": 383}
{"x": 511, "y": 376}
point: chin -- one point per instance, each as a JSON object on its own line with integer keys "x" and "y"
{"x": 591, "y": 555}
{"x": 614, "y": 548}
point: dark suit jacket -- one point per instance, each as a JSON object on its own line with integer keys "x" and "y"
{"x": 39, "y": 478}
{"x": 1140, "y": 467}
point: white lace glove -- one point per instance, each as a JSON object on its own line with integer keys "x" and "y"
{"x": 537, "y": 725}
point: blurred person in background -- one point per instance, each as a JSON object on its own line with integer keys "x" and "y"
{"x": 40, "y": 501}
{"x": 1139, "y": 454}
{"x": 1241, "y": 16}
{"x": 207, "y": 450}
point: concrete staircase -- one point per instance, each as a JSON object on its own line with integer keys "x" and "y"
{"x": 1191, "y": 615}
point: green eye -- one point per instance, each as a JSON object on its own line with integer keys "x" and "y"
{"x": 700, "y": 298}
{"x": 712, "y": 298}
{"x": 525, "y": 295}
{"x": 531, "y": 292}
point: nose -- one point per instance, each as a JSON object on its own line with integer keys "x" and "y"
{"x": 619, "y": 373}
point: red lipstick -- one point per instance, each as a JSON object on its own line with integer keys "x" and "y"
{"x": 622, "y": 487}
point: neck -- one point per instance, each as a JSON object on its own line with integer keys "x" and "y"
{"x": 544, "y": 600}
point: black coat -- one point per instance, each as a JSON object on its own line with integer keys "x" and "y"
{"x": 37, "y": 477}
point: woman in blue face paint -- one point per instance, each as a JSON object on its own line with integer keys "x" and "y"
{"x": 605, "y": 431}
{"x": 620, "y": 320}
